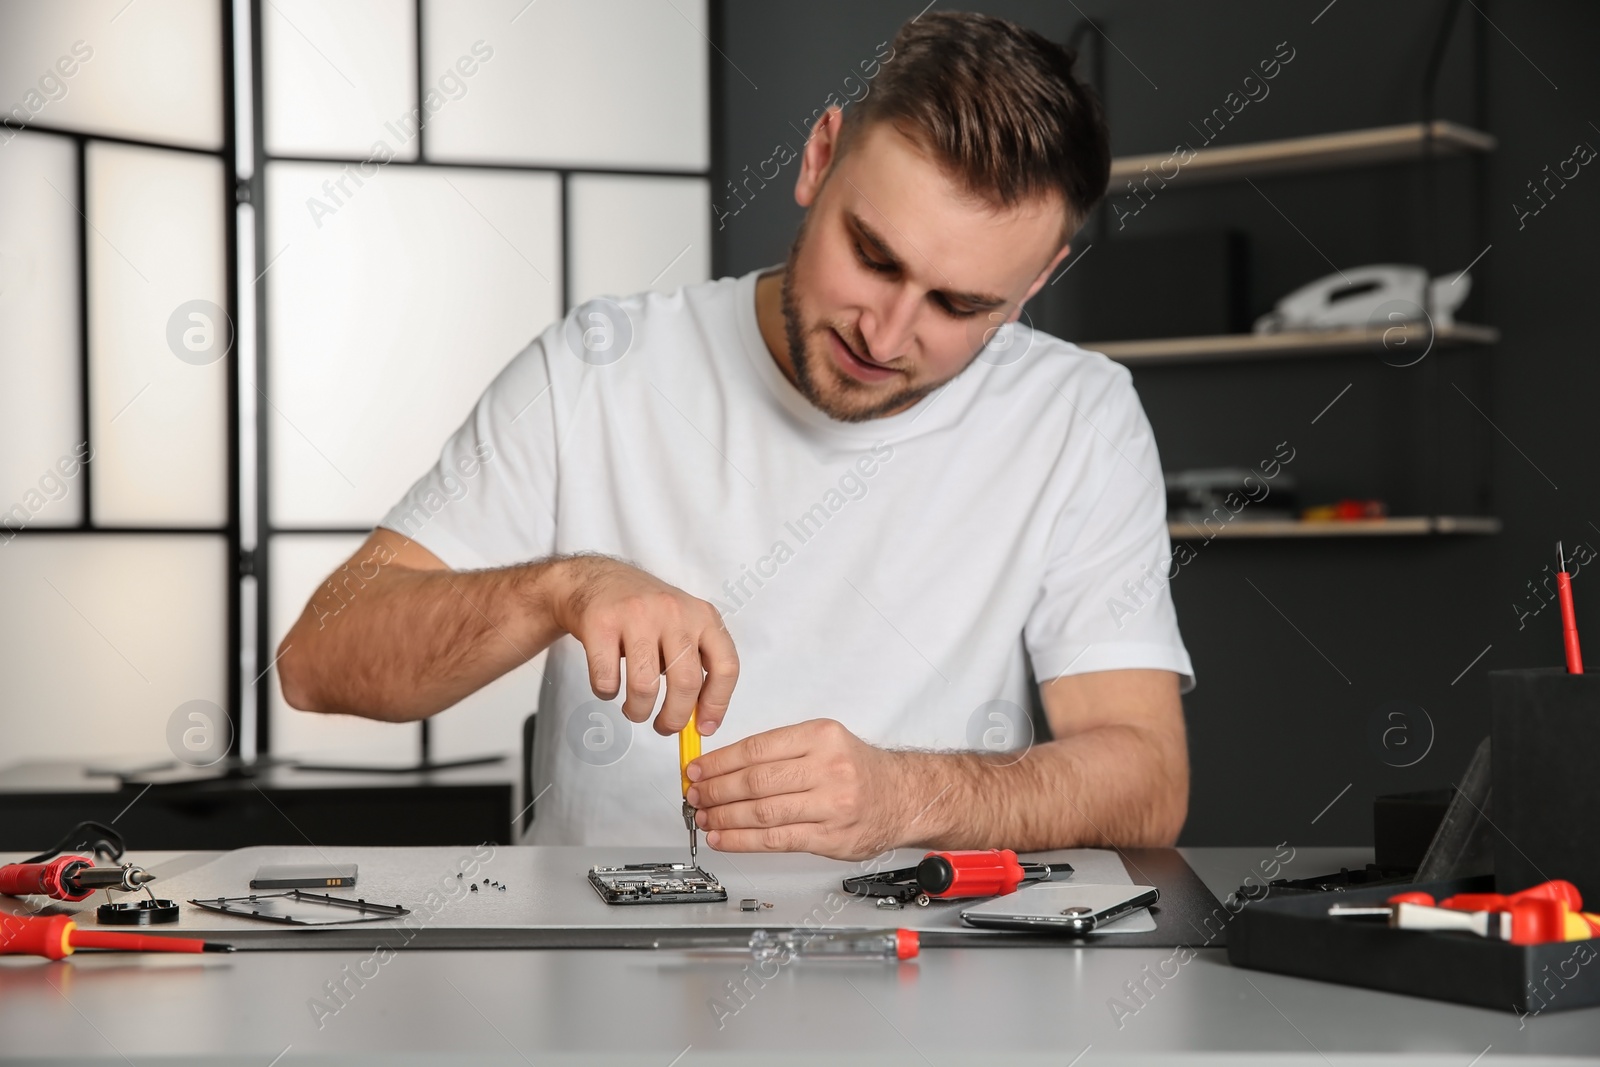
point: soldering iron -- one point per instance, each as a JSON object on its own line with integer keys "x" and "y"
{"x": 69, "y": 878}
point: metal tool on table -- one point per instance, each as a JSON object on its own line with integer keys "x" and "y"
{"x": 688, "y": 752}
{"x": 785, "y": 945}
{"x": 959, "y": 873}
{"x": 75, "y": 877}
{"x": 1526, "y": 926}
{"x": 70, "y": 878}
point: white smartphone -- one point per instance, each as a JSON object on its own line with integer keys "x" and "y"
{"x": 1067, "y": 909}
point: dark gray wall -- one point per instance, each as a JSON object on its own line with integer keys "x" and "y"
{"x": 1290, "y": 689}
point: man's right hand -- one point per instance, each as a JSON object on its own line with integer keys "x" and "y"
{"x": 617, "y": 611}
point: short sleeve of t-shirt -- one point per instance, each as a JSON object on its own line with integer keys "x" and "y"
{"x": 490, "y": 499}
{"x": 1105, "y": 603}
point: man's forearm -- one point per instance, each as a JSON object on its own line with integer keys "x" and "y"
{"x": 1113, "y": 785}
{"x": 411, "y": 642}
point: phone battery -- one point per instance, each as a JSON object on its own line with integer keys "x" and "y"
{"x": 304, "y": 876}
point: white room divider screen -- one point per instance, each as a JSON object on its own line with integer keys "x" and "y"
{"x": 370, "y": 274}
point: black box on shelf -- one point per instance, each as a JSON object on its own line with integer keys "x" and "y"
{"x": 1545, "y": 803}
{"x": 1187, "y": 284}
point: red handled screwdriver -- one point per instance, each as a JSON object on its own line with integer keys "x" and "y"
{"x": 979, "y": 872}
{"x": 69, "y": 878}
{"x": 55, "y": 936}
{"x": 1569, "y": 615}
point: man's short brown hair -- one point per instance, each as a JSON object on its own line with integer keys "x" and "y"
{"x": 998, "y": 106}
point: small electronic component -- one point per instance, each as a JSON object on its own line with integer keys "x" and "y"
{"x": 749, "y": 904}
{"x": 656, "y": 883}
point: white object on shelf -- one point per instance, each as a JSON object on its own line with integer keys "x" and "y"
{"x": 1379, "y": 295}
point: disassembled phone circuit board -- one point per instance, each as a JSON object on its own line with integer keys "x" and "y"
{"x": 656, "y": 883}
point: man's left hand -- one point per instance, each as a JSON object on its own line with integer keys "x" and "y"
{"x": 812, "y": 787}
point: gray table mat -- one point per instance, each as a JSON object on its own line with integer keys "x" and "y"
{"x": 547, "y": 890}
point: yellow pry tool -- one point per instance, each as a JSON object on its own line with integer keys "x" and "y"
{"x": 688, "y": 751}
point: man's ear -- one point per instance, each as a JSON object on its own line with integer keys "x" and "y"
{"x": 818, "y": 157}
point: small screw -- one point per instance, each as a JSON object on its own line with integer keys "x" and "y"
{"x": 458, "y": 874}
{"x": 502, "y": 889}
{"x": 474, "y": 887}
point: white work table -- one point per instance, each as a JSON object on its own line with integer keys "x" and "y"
{"x": 957, "y": 1006}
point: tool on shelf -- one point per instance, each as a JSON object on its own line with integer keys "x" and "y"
{"x": 954, "y": 874}
{"x": 56, "y": 936}
{"x": 688, "y": 752}
{"x": 1346, "y": 510}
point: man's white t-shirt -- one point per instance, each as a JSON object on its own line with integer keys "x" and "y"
{"x": 900, "y": 575}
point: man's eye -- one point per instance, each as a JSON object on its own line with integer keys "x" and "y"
{"x": 870, "y": 263}
{"x": 951, "y": 310}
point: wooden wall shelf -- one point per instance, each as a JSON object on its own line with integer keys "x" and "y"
{"x": 1398, "y": 526}
{"x": 1288, "y": 345}
{"x": 1323, "y": 151}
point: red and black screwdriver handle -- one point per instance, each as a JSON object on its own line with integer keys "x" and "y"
{"x": 68, "y": 878}
{"x": 986, "y": 872}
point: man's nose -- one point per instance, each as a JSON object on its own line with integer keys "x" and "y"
{"x": 888, "y": 331}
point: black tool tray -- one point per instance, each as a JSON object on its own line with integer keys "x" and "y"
{"x": 1295, "y": 935}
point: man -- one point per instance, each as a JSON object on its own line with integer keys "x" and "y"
{"x": 900, "y": 524}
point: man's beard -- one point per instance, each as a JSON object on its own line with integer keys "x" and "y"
{"x": 854, "y": 402}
